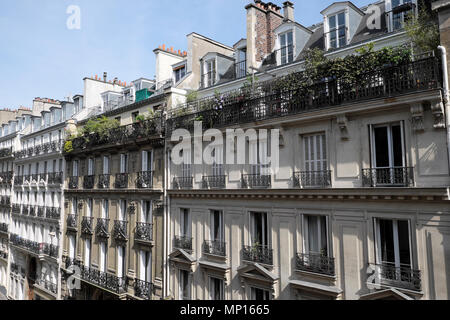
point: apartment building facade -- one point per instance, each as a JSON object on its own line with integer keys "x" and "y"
{"x": 359, "y": 206}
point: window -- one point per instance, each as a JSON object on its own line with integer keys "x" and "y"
{"x": 180, "y": 72}
{"x": 105, "y": 209}
{"x": 105, "y": 165}
{"x": 315, "y": 152}
{"x": 147, "y": 214}
{"x": 89, "y": 208}
{"x": 216, "y": 289}
{"x": 259, "y": 228}
{"x": 91, "y": 167}
{"x": 75, "y": 168}
{"x": 287, "y": 47}
{"x": 87, "y": 252}
{"x": 72, "y": 246}
{"x": 217, "y": 167}
{"x": 209, "y": 78}
{"x": 103, "y": 256}
{"x": 393, "y": 243}
{"x": 134, "y": 115}
{"x": 316, "y": 235}
{"x": 185, "y": 223}
{"x": 337, "y": 31}
{"x": 74, "y": 206}
{"x": 123, "y": 163}
{"x": 145, "y": 266}
{"x": 399, "y": 17}
{"x": 259, "y": 294}
{"x": 258, "y": 157}
{"x": 185, "y": 285}
{"x": 121, "y": 269}
{"x": 147, "y": 161}
{"x": 217, "y": 228}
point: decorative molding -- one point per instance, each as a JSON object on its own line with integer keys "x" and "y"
{"x": 342, "y": 122}
{"x": 417, "y": 117}
{"x": 437, "y": 109}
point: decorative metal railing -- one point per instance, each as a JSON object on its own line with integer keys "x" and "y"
{"x": 258, "y": 253}
{"x": 16, "y": 208}
{"x": 32, "y": 211}
{"x": 144, "y": 231}
{"x": 28, "y": 245}
{"x": 5, "y": 201}
{"x": 269, "y": 100}
{"x": 256, "y": 181}
{"x": 18, "y": 180}
{"x": 48, "y": 285}
{"x": 88, "y": 182}
{"x": 6, "y": 177}
{"x": 240, "y": 69}
{"x": 87, "y": 225}
{"x": 73, "y": 182}
{"x": 120, "y": 231}
{"x": 385, "y": 177}
{"x": 72, "y": 221}
{"x": 102, "y": 227}
{"x": 312, "y": 179}
{"x": 217, "y": 248}
{"x": 53, "y": 213}
{"x": 5, "y": 152}
{"x": 55, "y": 178}
{"x": 316, "y": 263}
{"x": 144, "y": 180}
{"x": 399, "y": 277}
{"x": 35, "y": 177}
{"x": 104, "y": 181}
{"x": 102, "y": 279}
{"x": 25, "y": 210}
{"x": 143, "y": 289}
{"x": 183, "y": 243}
{"x": 3, "y": 227}
{"x": 214, "y": 182}
{"x": 41, "y": 211}
{"x": 182, "y": 183}
{"x": 50, "y": 250}
{"x": 121, "y": 181}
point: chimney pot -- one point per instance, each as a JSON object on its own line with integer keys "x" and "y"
{"x": 288, "y": 8}
{"x": 105, "y": 76}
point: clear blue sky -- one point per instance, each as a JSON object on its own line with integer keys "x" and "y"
{"x": 41, "y": 57}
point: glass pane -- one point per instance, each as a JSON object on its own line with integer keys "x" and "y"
{"x": 341, "y": 19}
{"x": 403, "y": 242}
{"x": 381, "y": 147}
{"x": 332, "y": 22}
{"x": 397, "y": 146}
{"x": 387, "y": 242}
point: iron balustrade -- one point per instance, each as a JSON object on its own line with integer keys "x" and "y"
{"x": 400, "y": 277}
{"x": 143, "y": 289}
{"x": 87, "y": 225}
{"x": 28, "y": 245}
{"x": 4, "y": 227}
{"x": 48, "y": 285}
{"x": 102, "y": 227}
{"x": 385, "y": 177}
{"x": 6, "y": 152}
{"x": 41, "y": 211}
{"x": 56, "y": 145}
{"x": 18, "y": 180}
{"x": 42, "y": 177}
{"x": 103, "y": 279}
{"x": 27, "y": 178}
{"x": 120, "y": 231}
{"x": 25, "y": 210}
{"x": 73, "y": 182}
{"x": 72, "y": 221}
{"x": 104, "y": 181}
{"x": 46, "y": 147}
{"x": 258, "y": 253}
{"x": 6, "y": 177}
{"x": 256, "y": 181}
{"x": 32, "y": 211}
{"x": 16, "y": 208}
{"x": 144, "y": 231}
{"x": 37, "y": 150}
{"x": 50, "y": 250}
{"x": 316, "y": 263}
{"x": 30, "y": 152}
{"x": 312, "y": 179}
{"x": 216, "y": 247}
{"x": 144, "y": 180}
{"x": 214, "y": 182}
{"x": 269, "y": 101}
{"x": 55, "y": 178}
{"x": 121, "y": 181}
{"x": 182, "y": 182}
{"x": 240, "y": 69}
{"x": 183, "y": 242}
{"x": 88, "y": 182}
{"x": 35, "y": 177}
{"x": 53, "y": 213}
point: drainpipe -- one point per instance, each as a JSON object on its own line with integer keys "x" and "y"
{"x": 446, "y": 98}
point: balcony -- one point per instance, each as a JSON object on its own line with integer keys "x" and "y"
{"x": 388, "y": 177}
{"x": 121, "y": 181}
{"x": 5, "y": 201}
{"x": 120, "y": 231}
{"x": 6, "y": 177}
{"x": 55, "y": 178}
{"x": 214, "y": 182}
{"x": 50, "y": 250}
{"x": 18, "y": 180}
{"x": 240, "y": 69}
{"x": 88, "y": 182}
{"x": 144, "y": 180}
{"x": 35, "y": 177}
{"x": 312, "y": 179}
{"x": 144, "y": 232}
{"x": 53, "y": 213}
{"x": 30, "y": 152}
{"x": 27, "y": 178}
{"x": 32, "y": 211}
{"x": 5, "y": 152}
{"x": 268, "y": 101}
{"x": 25, "y": 210}
{"x": 104, "y": 280}
{"x": 184, "y": 243}
{"x": 256, "y": 181}
{"x": 216, "y": 248}
{"x": 28, "y": 245}
{"x": 16, "y": 208}
{"x": 73, "y": 183}
{"x": 46, "y": 147}
{"x": 257, "y": 253}
{"x": 72, "y": 222}
{"x": 37, "y": 150}
{"x": 42, "y": 178}
{"x": 143, "y": 289}
{"x": 398, "y": 277}
{"x": 48, "y": 285}
{"x": 56, "y": 146}
{"x": 41, "y": 211}
{"x": 3, "y": 227}
{"x": 315, "y": 263}
{"x": 180, "y": 183}
{"x": 87, "y": 225}
{"x": 102, "y": 228}
{"x": 104, "y": 181}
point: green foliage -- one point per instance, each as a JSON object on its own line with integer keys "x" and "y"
{"x": 100, "y": 126}
{"x": 140, "y": 118}
{"x": 423, "y": 30}
{"x": 68, "y": 148}
{"x": 191, "y": 96}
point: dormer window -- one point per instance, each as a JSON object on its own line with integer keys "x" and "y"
{"x": 338, "y": 31}
{"x": 179, "y": 72}
{"x": 287, "y": 47}
{"x": 209, "y": 77}
{"x": 401, "y": 10}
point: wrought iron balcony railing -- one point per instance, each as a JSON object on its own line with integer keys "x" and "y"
{"x": 182, "y": 183}
{"x": 6, "y": 177}
{"x": 104, "y": 181}
{"x": 144, "y": 180}
{"x": 73, "y": 182}
{"x": 18, "y": 180}
{"x": 28, "y": 245}
{"x": 72, "y": 221}
{"x": 258, "y": 253}
{"x": 50, "y": 250}
{"x": 103, "y": 279}
{"x": 46, "y": 147}
{"x": 32, "y": 211}
{"x": 269, "y": 101}
{"x": 5, "y": 152}
{"x": 35, "y": 177}
{"x": 53, "y": 213}
{"x": 256, "y": 181}
{"x": 16, "y": 208}
{"x": 27, "y": 178}
{"x": 102, "y": 228}
{"x": 181, "y": 242}
{"x": 143, "y": 289}
{"x": 41, "y": 211}
{"x": 144, "y": 232}
{"x": 88, "y": 182}
{"x": 87, "y": 225}
{"x": 4, "y": 227}
{"x": 30, "y": 151}
{"x": 25, "y": 210}
{"x": 217, "y": 248}
{"x": 42, "y": 178}
{"x": 48, "y": 285}
{"x": 388, "y": 177}
{"x": 214, "y": 182}
{"x": 120, "y": 231}
{"x": 121, "y": 181}
{"x": 399, "y": 277}
{"x": 55, "y": 178}
{"x": 316, "y": 263}
{"x": 37, "y": 150}
{"x": 312, "y": 179}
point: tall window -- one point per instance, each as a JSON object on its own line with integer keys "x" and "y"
{"x": 316, "y": 235}
{"x": 387, "y": 142}
{"x": 72, "y": 246}
{"x": 287, "y": 47}
{"x": 259, "y": 232}
{"x": 217, "y": 228}
{"x": 315, "y": 161}
{"x": 87, "y": 252}
{"x": 185, "y": 223}
{"x": 393, "y": 243}
{"x": 105, "y": 209}
{"x": 400, "y": 17}
{"x": 146, "y": 212}
{"x": 259, "y": 294}
{"x": 216, "y": 289}
{"x": 74, "y": 206}
{"x": 185, "y": 285}
{"x": 145, "y": 265}
{"x": 217, "y": 167}
{"x": 258, "y": 157}
{"x": 75, "y": 168}
{"x": 105, "y": 165}
{"x": 210, "y": 73}
{"x": 179, "y": 73}
{"x": 123, "y": 163}
{"x": 90, "y": 166}
{"x": 90, "y": 203}
{"x": 121, "y": 271}
{"x": 103, "y": 256}
{"x": 122, "y": 210}
{"x": 147, "y": 161}
{"x": 338, "y": 31}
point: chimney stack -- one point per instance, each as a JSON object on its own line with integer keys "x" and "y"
{"x": 288, "y": 8}
{"x": 105, "y": 76}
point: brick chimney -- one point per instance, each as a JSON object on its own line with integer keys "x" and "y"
{"x": 288, "y": 10}
{"x": 262, "y": 20}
